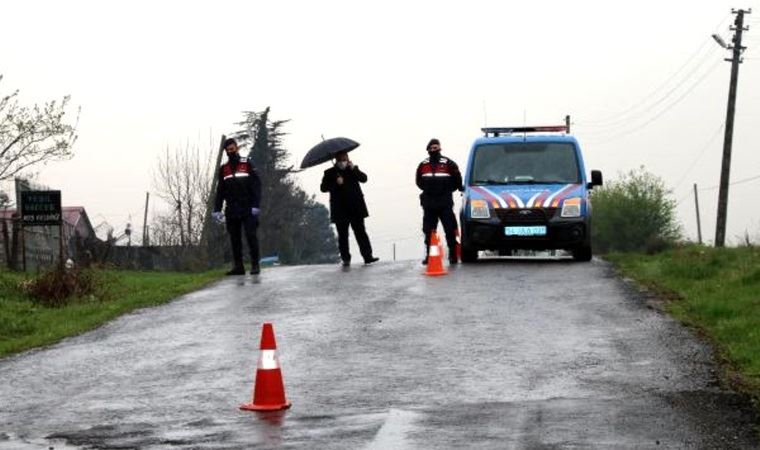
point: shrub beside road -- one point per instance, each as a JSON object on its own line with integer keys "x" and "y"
{"x": 715, "y": 290}
{"x": 25, "y": 323}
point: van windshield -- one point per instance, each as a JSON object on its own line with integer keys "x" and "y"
{"x": 525, "y": 163}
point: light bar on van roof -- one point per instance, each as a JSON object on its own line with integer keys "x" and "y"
{"x": 497, "y": 131}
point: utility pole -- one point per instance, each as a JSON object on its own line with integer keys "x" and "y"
{"x": 145, "y": 238}
{"x": 567, "y": 124}
{"x": 205, "y": 235}
{"x": 725, "y": 171}
{"x": 699, "y": 222}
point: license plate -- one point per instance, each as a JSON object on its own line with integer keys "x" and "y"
{"x": 525, "y": 231}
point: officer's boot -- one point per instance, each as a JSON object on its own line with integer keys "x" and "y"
{"x": 237, "y": 269}
{"x": 453, "y": 259}
{"x": 451, "y": 242}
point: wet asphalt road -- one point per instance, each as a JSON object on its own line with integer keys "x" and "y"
{"x": 508, "y": 354}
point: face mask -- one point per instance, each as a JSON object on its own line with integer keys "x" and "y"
{"x": 341, "y": 165}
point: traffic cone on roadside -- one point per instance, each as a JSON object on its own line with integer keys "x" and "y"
{"x": 435, "y": 257}
{"x": 268, "y": 390}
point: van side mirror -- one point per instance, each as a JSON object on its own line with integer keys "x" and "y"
{"x": 596, "y": 179}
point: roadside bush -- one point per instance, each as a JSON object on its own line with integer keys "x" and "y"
{"x": 634, "y": 214}
{"x": 58, "y": 286}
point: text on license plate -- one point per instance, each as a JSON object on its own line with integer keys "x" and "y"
{"x": 539, "y": 230}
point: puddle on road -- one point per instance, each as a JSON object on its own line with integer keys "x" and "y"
{"x": 13, "y": 442}
{"x": 393, "y": 433}
{"x": 271, "y": 418}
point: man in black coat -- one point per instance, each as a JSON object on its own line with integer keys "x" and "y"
{"x": 438, "y": 177}
{"x": 347, "y": 206}
{"x": 239, "y": 187}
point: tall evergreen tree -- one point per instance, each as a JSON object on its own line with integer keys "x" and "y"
{"x": 292, "y": 225}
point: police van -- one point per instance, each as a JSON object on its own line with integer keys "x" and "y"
{"x": 526, "y": 188}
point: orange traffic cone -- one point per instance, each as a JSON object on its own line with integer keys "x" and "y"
{"x": 268, "y": 390}
{"x": 435, "y": 257}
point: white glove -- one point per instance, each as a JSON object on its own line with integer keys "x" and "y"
{"x": 218, "y": 216}
{"x": 255, "y": 211}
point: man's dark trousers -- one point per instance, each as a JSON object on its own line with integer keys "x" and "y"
{"x": 357, "y": 224}
{"x": 430, "y": 219}
{"x": 235, "y": 226}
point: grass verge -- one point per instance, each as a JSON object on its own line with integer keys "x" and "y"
{"x": 25, "y": 324}
{"x": 717, "y": 291}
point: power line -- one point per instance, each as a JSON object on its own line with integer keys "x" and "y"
{"x": 742, "y": 181}
{"x": 682, "y": 199}
{"x": 617, "y": 118}
{"x": 694, "y": 162}
{"x": 624, "y": 116}
{"x": 663, "y": 111}
{"x": 746, "y": 180}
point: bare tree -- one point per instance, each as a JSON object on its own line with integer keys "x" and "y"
{"x": 33, "y": 135}
{"x": 163, "y": 230}
{"x": 181, "y": 179}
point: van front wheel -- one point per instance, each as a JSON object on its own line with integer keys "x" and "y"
{"x": 583, "y": 253}
{"x": 469, "y": 255}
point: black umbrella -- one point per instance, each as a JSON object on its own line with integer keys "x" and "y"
{"x": 326, "y": 150}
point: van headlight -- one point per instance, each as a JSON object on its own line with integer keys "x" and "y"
{"x": 479, "y": 209}
{"x": 571, "y": 207}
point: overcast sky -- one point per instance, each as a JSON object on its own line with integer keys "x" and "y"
{"x": 643, "y": 82}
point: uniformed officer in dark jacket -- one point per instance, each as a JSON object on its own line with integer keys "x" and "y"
{"x": 438, "y": 177}
{"x": 239, "y": 187}
{"x": 347, "y": 206}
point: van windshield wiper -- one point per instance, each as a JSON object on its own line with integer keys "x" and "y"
{"x": 550, "y": 182}
{"x": 476, "y": 182}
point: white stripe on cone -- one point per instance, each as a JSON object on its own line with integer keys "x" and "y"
{"x": 268, "y": 360}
